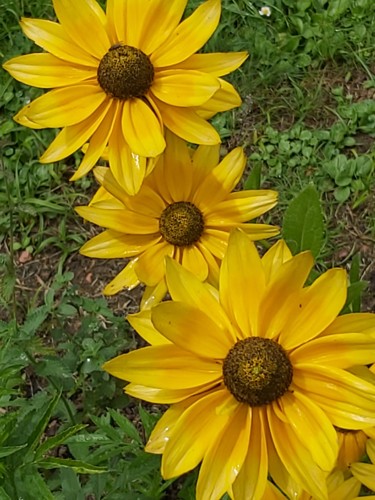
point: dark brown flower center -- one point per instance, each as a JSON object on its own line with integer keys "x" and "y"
{"x": 125, "y": 72}
{"x": 257, "y": 371}
{"x": 181, "y": 223}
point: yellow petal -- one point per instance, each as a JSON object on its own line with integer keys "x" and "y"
{"x": 164, "y": 367}
{"x": 154, "y": 294}
{"x": 164, "y": 428}
{"x": 142, "y": 324}
{"x": 307, "y": 419}
{"x": 272, "y": 493}
{"x": 125, "y": 279}
{"x": 144, "y": 141}
{"x": 205, "y": 158}
{"x": 185, "y": 287}
{"x": 166, "y": 396}
{"x": 150, "y": 267}
{"x": 222, "y": 180}
{"x": 110, "y": 186}
{"x": 241, "y": 206}
{"x": 53, "y": 38}
{"x": 319, "y": 305}
{"x": 339, "y": 350}
{"x": 47, "y": 71}
{"x": 365, "y": 473}
{"x": 184, "y": 88}
{"x": 296, "y": 458}
{"x": 85, "y": 24}
{"x": 213, "y": 265}
{"x": 186, "y": 123}
{"x": 282, "y": 296}
{"x": 242, "y": 283}
{"x": 217, "y": 64}
{"x": 252, "y": 479}
{"x": 274, "y": 258}
{"x": 128, "y": 169}
{"x": 258, "y": 231}
{"x": 65, "y": 106}
{"x": 223, "y": 461}
{"x": 98, "y": 142}
{"x": 155, "y": 22}
{"x": 176, "y": 159}
{"x": 116, "y": 245}
{"x": 162, "y": 18}
{"x": 73, "y": 137}
{"x": 224, "y": 99}
{"x": 215, "y": 241}
{"x": 199, "y": 424}
{"x": 191, "y": 329}
{"x": 348, "y": 400}
{"x": 147, "y": 202}
{"x": 189, "y": 36}
{"x": 122, "y": 221}
{"x": 370, "y": 448}
{"x": 194, "y": 261}
{"x": 353, "y": 322}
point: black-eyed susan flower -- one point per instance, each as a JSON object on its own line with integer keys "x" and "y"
{"x": 257, "y": 371}
{"x": 120, "y": 77}
{"x": 185, "y": 209}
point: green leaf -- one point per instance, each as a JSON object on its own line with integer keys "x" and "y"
{"x": 58, "y": 439}
{"x": 4, "y": 495}
{"x": 5, "y": 451}
{"x": 341, "y": 193}
{"x": 43, "y": 422}
{"x": 34, "y": 320}
{"x": 353, "y": 299}
{"x": 254, "y": 179}
{"x": 125, "y": 425}
{"x": 77, "y": 465}
{"x": 337, "y": 7}
{"x": 303, "y": 227}
{"x": 30, "y": 484}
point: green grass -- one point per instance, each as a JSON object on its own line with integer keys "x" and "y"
{"x": 308, "y": 118}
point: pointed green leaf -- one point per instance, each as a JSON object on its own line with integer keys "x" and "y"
{"x": 43, "y": 422}
{"x": 77, "y": 465}
{"x": 5, "y": 451}
{"x": 303, "y": 226}
{"x": 57, "y": 440}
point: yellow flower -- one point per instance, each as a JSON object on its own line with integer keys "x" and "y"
{"x": 185, "y": 209}
{"x": 257, "y": 372}
{"x": 119, "y": 77}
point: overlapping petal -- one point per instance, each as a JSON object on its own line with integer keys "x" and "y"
{"x": 164, "y": 367}
{"x": 189, "y": 36}
{"x": 47, "y": 71}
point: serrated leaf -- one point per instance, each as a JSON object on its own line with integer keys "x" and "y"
{"x": 303, "y": 226}
{"x": 77, "y": 465}
{"x": 30, "y": 484}
{"x": 5, "y": 451}
{"x": 58, "y": 439}
{"x": 125, "y": 425}
{"x": 33, "y": 321}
